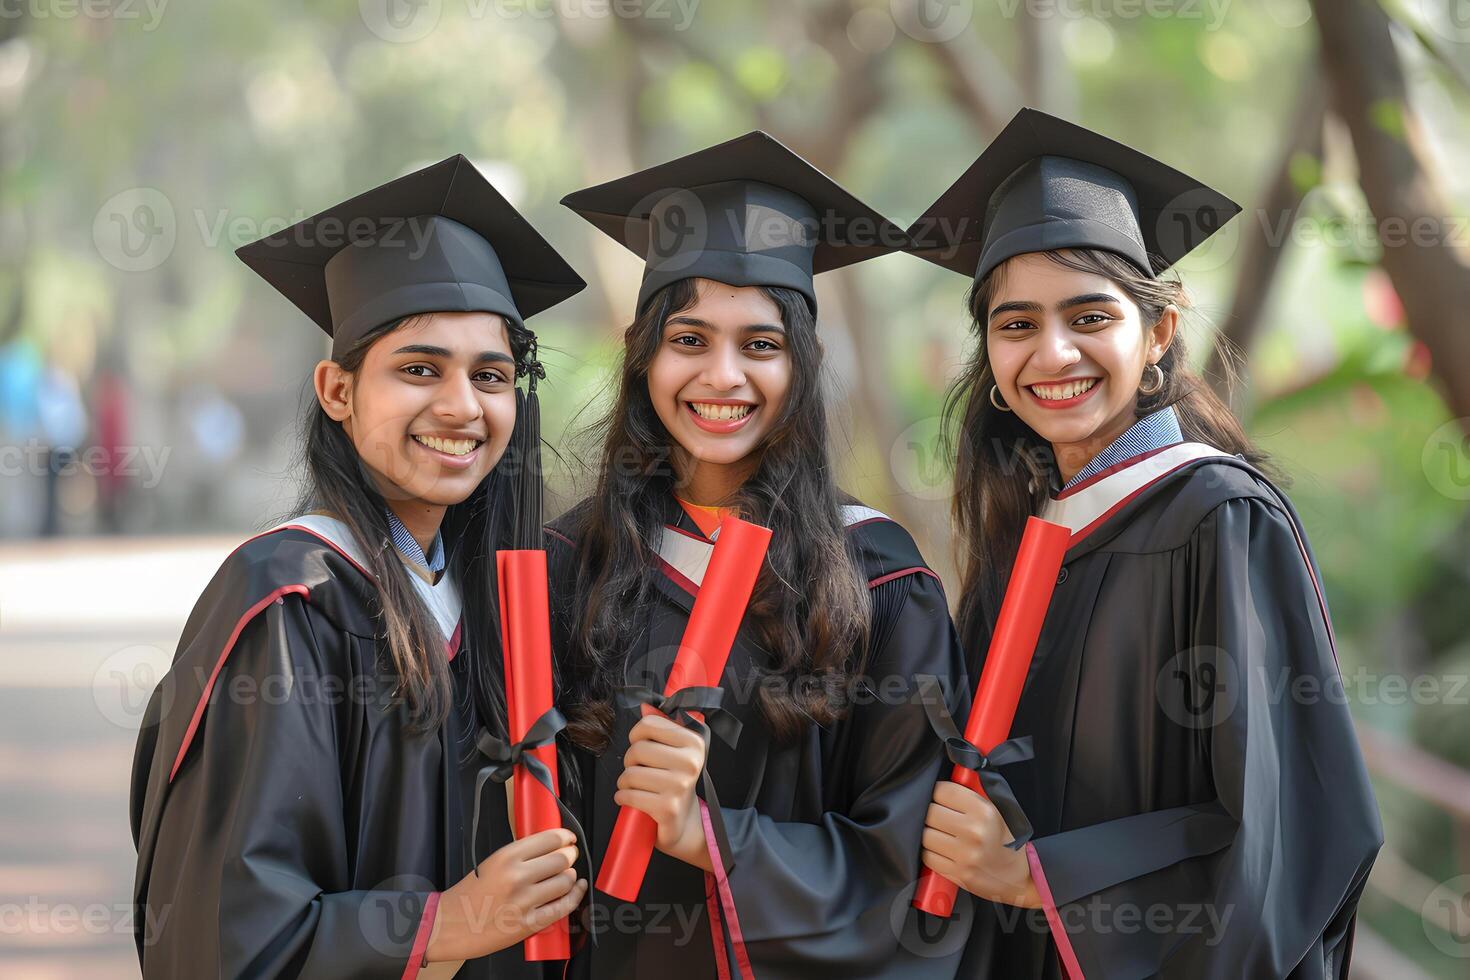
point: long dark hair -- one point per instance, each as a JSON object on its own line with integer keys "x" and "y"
{"x": 1004, "y": 470}
{"x": 810, "y": 602}
{"x": 491, "y": 518}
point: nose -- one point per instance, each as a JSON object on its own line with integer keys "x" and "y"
{"x": 722, "y": 369}
{"x": 1055, "y": 350}
{"x": 457, "y": 401}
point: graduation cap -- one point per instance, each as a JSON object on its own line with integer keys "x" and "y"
{"x": 747, "y": 212}
{"x": 441, "y": 239}
{"x": 1046, "y": 184}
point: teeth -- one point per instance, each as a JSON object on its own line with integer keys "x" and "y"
{"x": 1070, "y": 389}
{"x": 721, "y": 413}
{"x": 454, "y": 447}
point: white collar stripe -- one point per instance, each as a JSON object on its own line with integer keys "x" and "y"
{"x": 442, "y": 599}
{"x": 690, "y": 556}
{"x": 685, "y": 555}
{"x": 856, "y": 514}
{"x": 1084, "y": 509}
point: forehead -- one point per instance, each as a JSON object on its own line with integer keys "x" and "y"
{"x": 721, "y": 304}
{"x": 1035, "y": 278}
{"x": 461, "y": 333}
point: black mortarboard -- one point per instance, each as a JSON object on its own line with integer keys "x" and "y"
{"x": 1045, "y": 184}
{"x": 438, "y": 240}
{"x": 748, "y": 212}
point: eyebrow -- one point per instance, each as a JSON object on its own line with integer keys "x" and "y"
{"x": 694, "y": 321}
{"x": 429, "y": 350}
{"x": 1026, "y": 306}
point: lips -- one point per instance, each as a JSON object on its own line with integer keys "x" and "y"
{"x": 716, "y": 412}
{"x": 454, "y": 447}
{"x": 1062, "y": 394}
{"x": 721, "y": 416}
{"x": 455, "y": 453}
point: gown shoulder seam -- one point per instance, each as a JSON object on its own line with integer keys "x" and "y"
{"x": 1184, "y": 533}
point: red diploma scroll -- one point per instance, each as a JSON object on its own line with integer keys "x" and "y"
{"x": 739, "y": 551}
{"x": 1033, "y": 578}
{"x": 526, "y": 634}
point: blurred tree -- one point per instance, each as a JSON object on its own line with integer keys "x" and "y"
{"x": 12, "y": 225}
{"x": 1421, "y": 253}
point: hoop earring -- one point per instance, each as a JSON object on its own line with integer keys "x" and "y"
{"x": 995, "y": 390}
{"x": 1158, "y": 384}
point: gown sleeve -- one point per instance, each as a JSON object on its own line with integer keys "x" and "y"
{"x": 249, "y": 874}
{"x": 816, "y": 899}
{"x": 1262, "y": 881}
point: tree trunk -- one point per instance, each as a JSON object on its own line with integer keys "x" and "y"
{"x": 1423, "y": 250}
{"x": 1044, "y": 78}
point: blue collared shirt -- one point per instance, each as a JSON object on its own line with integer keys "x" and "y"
{"x": 1154, "y": 431}
{"x": 409, "y": 548}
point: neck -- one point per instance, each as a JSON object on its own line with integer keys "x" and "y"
{"x": 1071, "y": 457}
{"x": 421, "y": 519}
{"x": 710, "y": 484}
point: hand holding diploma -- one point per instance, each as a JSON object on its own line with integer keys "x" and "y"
{"x": 661, "y": 770}
{"x": 1012, "y": 644}
{"x": 515, "y": 894}
{"x": 965, "y": 840}
{"x": 691, "y": 690}
{"x": 529, "y": 761}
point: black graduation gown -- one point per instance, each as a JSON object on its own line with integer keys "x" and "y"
{"x": 1193, "y": 818}
{"x": 825, "y": 833}
{"x": 305, "y": 833}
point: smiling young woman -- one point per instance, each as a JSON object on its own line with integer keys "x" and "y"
{"x": 718, "y": 382}
{"x": 300, "y": 791}
{"x": 1192, "y": 817}
{"x": 718, "y": 407}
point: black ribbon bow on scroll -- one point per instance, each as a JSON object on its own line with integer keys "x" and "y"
{"x": 966, "y": 755}
{"x": 710, "y": 701}
{"x": 503, "y": 761}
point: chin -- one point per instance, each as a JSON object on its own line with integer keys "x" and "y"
{"x": 451, "y": 490}
{"x": 721, "y": 452}
{"x": 717, "y": 455}
{"x": 1060, "y": 430}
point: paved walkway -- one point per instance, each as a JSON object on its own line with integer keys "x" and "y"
{"x": 86, "y": 630}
